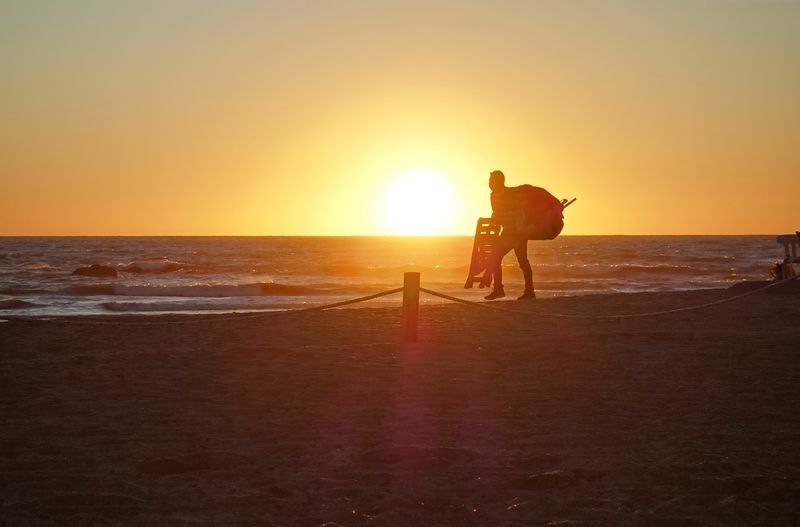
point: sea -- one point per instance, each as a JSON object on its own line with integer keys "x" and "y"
{"x": 157, "y": 275}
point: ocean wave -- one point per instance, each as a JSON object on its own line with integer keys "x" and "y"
{"x": 349, "y": 269}
{"x": 8, "y": 302}
{"x": 91, "y": 289}
{"x": 37, "y": 266}
{"x": 198, "y": 290}
{"x": 18, "y": 291}
{"x": 140, "y": 307}
{"x": 153, "y": 266}
{"x": 546, "y": 265}
{"x": 352, "y": 270}
{"x": 625, "y": 270}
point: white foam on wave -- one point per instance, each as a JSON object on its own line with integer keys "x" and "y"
{"x": 193, "y": 305}
{"x": 197, "y": 290}
{"x": 37, "y": 266}
{"x": 153, "y": 266}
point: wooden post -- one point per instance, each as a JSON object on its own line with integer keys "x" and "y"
{"x": 410, "y": 306}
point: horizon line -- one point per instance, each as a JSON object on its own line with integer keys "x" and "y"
{"x": 344, "y": 235}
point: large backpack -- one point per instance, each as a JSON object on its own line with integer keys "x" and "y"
{"x": 540, "y": 216}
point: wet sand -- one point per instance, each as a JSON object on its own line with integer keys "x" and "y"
{"x": 691, "y": 418}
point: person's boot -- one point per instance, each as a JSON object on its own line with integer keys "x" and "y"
{"x": 497, "y": 292}
{"x": 529, "y": 294}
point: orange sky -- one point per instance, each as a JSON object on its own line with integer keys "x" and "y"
{"x": 266, "y": 118}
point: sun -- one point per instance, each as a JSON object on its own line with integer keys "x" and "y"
{"x": 419, "y": 202}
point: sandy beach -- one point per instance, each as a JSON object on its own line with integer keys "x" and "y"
{"x": 326, "y": 418}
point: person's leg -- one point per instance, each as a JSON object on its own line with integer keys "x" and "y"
{"x": 503, "y": 247}
{"x": 521, "y": 251}
{"x": 497, "y": 271}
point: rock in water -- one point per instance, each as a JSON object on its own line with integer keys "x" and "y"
{"x": 96, "y": 270}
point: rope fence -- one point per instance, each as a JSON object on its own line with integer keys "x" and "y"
{"x": 410, "y": 310}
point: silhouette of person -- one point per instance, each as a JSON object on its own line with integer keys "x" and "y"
{"x": 506, "y": 208}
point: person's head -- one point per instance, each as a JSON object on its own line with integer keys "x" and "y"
{"x": 497, "y": 180}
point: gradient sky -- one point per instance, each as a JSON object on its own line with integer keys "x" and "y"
{"x": 240, "y": 117}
